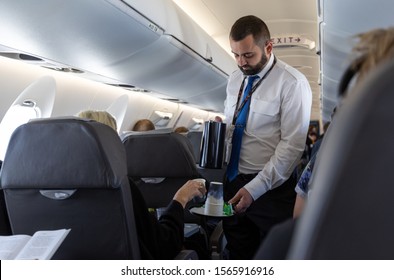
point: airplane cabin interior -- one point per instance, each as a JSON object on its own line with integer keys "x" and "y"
{"x": 167, "y": 61}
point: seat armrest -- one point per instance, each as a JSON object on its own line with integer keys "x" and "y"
{"x": 187, "y": 255}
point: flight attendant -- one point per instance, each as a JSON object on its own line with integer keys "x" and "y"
{"x": 267, "y": 110}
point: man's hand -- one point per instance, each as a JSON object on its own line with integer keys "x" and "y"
{"x": 241, "y": 201}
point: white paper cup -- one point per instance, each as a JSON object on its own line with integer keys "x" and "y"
{"x": 200, "y": 199}
{"x": 213, "y": 209}
{"x": 200, "y": 180}
{"x": 214, "y": 202}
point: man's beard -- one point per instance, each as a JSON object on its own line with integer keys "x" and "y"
{"x": 253, "y": 70}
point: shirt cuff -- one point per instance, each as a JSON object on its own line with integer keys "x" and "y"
{"x": 256, "y": 188}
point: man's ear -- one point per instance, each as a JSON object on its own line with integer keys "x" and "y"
{"x": 268, "y": 47}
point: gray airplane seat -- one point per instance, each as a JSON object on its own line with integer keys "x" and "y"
{"x": 71, "y": 173}
{"x": 159, "y": 164}
{"x": 195, "y": 138}
{"x": 349, "y": 213}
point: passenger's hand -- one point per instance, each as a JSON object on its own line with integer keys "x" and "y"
{"x": 241, "y": 201}
{"x": 188, "y": 191}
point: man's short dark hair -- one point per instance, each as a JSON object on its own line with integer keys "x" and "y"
{"x": 250, "y": 25}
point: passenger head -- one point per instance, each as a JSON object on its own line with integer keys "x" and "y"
{"x": 373, "y": 47}
{"x": 181, "y": 129}
{"x": 250, "y": 42}
{"x": 99, "y": 116}
{"x": 218, "y": 119}
{"x": 143, "y": 125}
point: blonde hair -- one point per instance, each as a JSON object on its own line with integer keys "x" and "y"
{"x": 143, "y": 125}
{"x": 99, "y": 116}
{"x": 373, "y": 47}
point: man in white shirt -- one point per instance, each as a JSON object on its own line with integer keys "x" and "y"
{"x": 273, "y": 137}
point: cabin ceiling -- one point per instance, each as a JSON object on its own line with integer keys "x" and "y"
{"x": 154, "y": 45}
{"x": 102, "y": 38}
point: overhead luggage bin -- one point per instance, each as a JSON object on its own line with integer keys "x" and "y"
{"x": 148, "y": 44}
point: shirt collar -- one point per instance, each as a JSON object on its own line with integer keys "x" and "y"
{"x": 267, "y": 66}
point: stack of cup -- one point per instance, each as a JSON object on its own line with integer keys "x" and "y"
{"x": 214, "y": 202}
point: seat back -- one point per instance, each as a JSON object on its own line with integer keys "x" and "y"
{"x": 159, "y": 155}
{"x": 349, "y": 213}
{"x": 195, "y": 138}
{"x": 71, "y": 173}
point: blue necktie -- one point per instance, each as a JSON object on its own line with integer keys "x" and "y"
{"x": 240, "y": 123}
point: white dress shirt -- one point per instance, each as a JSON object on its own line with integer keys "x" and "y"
{"x": 277, "y": 126}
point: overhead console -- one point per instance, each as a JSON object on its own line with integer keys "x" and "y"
{"x": 148, "y": 44}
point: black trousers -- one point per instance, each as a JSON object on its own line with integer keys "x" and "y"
{"x": 244, "y": 232}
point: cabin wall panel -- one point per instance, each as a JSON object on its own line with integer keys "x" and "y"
{"x": 14, "y": 78}
{"x": 74, "y": 94}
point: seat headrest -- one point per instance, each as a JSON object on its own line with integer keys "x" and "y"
{"x": 195, "y": 136}
{"x": 64, "y": 153}
{"x": 159, "y": 155}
